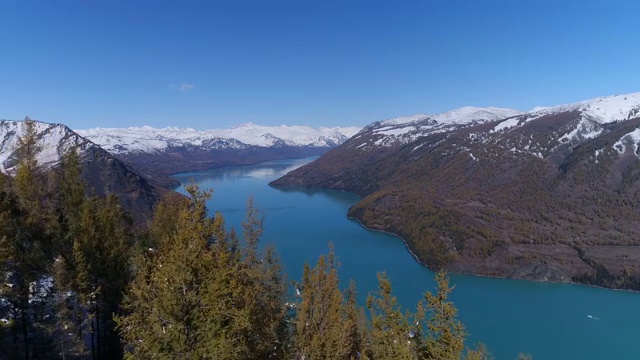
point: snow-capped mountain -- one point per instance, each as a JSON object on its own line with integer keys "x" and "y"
{"x": 602, "y": 110}
{"x": 147, "y": 139}
{"x": 403, "y": 130}
{"x": 171, "y": 150}
{"x": 54, "y": 140}
{"x": 581, "y": 121}
{"x": 552, "y": 194}
{"x": 102, "y": 172}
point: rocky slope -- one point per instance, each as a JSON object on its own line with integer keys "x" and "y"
{"x": 103, "y": 173}
{"x": 548, "y": 195}
{"x": 171, "y": 150}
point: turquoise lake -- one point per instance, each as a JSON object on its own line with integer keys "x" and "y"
{"x": 548, "y": 321}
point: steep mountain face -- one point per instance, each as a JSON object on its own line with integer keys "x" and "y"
{"x": 103, "y": 173}
{"x": 549, "y": 195}
{"x": 170, "y": 150}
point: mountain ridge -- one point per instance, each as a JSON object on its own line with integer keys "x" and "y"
{"x": 102, "y": 172}
{"x": 173, "y": 150}
{"x": 150, "y": 139}
{"x": 551, "y": 195}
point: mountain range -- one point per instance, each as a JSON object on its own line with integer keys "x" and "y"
{"x": 171, "y": 150}
{"x": 134, "y": 163}
{"x": 552, "y": 194}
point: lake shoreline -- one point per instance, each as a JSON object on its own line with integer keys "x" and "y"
{"x": 482, "y": 275}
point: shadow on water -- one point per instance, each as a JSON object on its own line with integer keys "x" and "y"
{"x": 342, "y": 197}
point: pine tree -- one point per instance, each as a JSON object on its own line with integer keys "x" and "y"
{"x": 168, "y": 315}
{"x": 445, "y": 338}
{"x": 324, "y": 329}
{"x": 355, "y": 323}
{"x": 27, "y": 178}
{"x": 261, "y": 294}
{"x": 390, "y": 331}
{"x": 101, "y": 252}
{"x": 70, "y": 319}
{"x": 25, "y": 249}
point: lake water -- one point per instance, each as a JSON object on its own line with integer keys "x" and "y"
{"x": 548, "y": 321}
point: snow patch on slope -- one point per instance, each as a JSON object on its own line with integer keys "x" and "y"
{"x": 633, "y": 137}
{"x": 405, "y": 130}
{"x": 586, "y": 129}
{"x": 469, "y": 114}
{"x": 602, "y": 110}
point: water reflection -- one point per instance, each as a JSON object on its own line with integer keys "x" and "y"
{"x": 337, "y": 196}
{"x": 265, "y": 170}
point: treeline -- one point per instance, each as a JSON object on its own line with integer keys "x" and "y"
{"x": 79, "y": 281}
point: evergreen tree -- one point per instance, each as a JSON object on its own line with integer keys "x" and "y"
{"x": 70, "y": 314}
{"x": 445, "y": 339}
{"x": 168, "y": 315}
{"x": 202, "y": 294}
{"x": 27, "y": 185}
{"x": 390, "y": 331}
{"x": 261, "y": 296}
{"x": 101, "y": 252}
{"x": 328, "y": 326}
{"x": 25, "y": 250}
{"x": 355, "y": 323}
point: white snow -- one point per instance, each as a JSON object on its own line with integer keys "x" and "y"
{"x": 404, "y": 120}
{"x": 407, "y": 129}
{"x": 394, "y": 132}
{"x": 53, "y": 140}
{"x": 469, "y": 114}
{"x": 633, "y": 136}
{"x": 597, "y": 153}
{"x": 149, "y": 139}
{"x": 506, "y": 124}
{"x": 585, "y": 130}
{"x": 538, "y": 108}
{"x": 602, "y": 110}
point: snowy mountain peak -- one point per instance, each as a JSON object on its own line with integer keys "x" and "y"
{"x": 147, "y": 139}
{"x": 601, "y": 110}
{"x": 604, "y": 110}
{"x": 469, "y": 114}
{"x": 403, "y": 120}
{"x": 53, "y": 140}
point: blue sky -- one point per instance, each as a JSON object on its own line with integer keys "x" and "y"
{"x": 214, "y": 64}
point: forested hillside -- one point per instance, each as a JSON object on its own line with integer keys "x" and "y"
{"x": 551, "y": 195}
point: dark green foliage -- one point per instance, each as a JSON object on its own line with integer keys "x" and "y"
{"x": 390, "y": 330}
{"x": 25, "y": 253}
{"x": 445, "y": 339}
{"x": 327, "y": 324}
{"x": 201, "y": 294}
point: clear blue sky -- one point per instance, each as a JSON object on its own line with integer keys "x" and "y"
{"x": 324, "y": 63}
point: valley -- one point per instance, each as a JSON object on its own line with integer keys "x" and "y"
{"x": 551, "y": 319}
{"x": 325, "y": 180}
